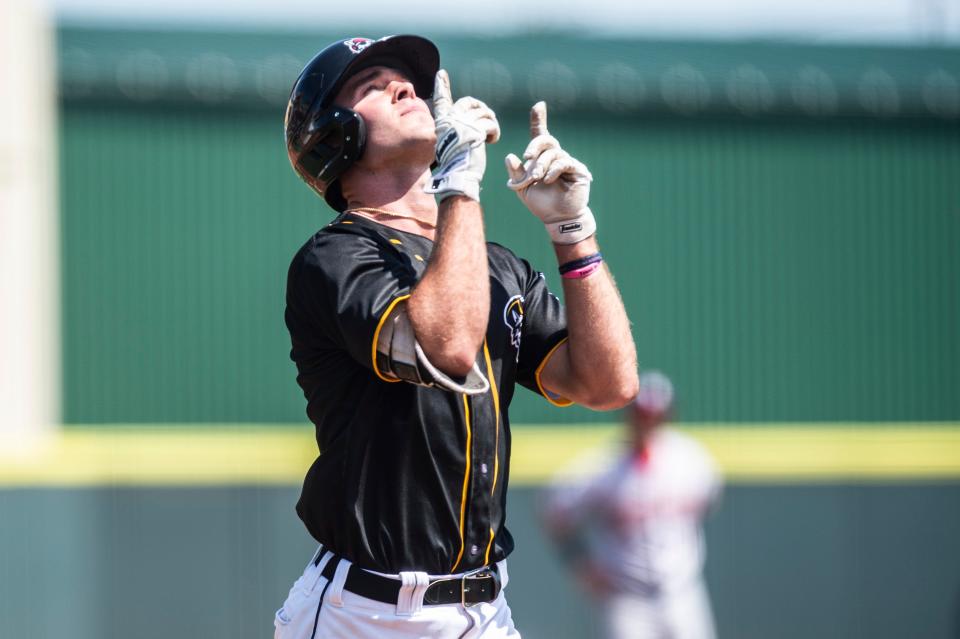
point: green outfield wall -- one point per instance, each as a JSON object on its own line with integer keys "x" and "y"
{"x": 783, "y": 269}
{"x": 836, "y": 561}
{"x": 783, "y": 221}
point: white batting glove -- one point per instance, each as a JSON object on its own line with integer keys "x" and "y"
{"x": 462, "y": 129}
{"x": 552, "y": 184}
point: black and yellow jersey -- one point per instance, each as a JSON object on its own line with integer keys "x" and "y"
{"x": 408, "y": 477}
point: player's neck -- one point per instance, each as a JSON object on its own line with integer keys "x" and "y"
{"x": 395, "y": 199}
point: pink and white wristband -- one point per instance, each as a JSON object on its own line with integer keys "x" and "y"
{"x": 580, "y": 268}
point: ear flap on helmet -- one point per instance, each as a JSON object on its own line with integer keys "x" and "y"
{"x": 335, "y": 139}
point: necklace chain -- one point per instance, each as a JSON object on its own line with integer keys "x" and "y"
{"x": 369, "y": 209}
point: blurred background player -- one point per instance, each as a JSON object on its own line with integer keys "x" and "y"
{"x": 633, "y": 532}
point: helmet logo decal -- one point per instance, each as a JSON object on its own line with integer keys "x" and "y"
{"x": 357, "y": 45}
{"x": 513, "y": 318}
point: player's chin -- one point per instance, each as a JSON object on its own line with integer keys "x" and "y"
{"x": 424, "y": 138}
{"x": 420, "y": 120}
{"x": 412, "y": 150}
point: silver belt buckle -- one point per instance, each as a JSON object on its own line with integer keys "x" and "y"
{"x": 464, "y": 589}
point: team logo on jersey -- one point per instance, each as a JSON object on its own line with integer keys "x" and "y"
{"x": 513, "y": 318}
{"x": 358, "y": 44}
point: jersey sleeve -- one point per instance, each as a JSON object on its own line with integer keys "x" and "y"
{"x": 577, "y": 495}
{"x": 544, "y": 330}
{"x": 343, "y": 287}
{"x": 570, "y": 501}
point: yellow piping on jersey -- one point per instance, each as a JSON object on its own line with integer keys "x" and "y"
{"x": 376, "y": 336}
{"x": 466, "y": 480}
{"x": 496, "y": 408}
{"x": 496, "y": 445}
{"x": 395, "y": 241}
{"x": 563, "y": 401}
{"x": 486, "y": 557}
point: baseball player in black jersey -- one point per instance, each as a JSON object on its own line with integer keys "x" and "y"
{"x": 410, "y": 331}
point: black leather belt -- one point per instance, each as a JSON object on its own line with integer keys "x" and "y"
{"x": 470, "y": 590}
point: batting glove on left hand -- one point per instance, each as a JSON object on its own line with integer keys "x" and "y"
{"x": 462, "y": 129}
{"x": 552, "y": 184}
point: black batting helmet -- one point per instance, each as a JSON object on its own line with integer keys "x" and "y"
{"x": 324, "y": 140}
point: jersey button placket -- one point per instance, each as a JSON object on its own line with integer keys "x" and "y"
{"x": 481, "y": 500}
{"x": 488, "y": 498}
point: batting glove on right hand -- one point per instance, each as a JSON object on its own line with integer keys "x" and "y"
{"x": 552, "y": 184}
{"x": 462, "y": 129}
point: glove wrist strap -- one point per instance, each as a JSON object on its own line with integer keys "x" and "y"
{"x": 454, "y": 184}
{"x": 574, "y": 229}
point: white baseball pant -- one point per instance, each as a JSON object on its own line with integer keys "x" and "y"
{"x": 681, "y": 614}
{"x": 318, "y": 609}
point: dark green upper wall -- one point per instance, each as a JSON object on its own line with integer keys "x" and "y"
{"x": 784, "y": 268}
{"x": 754, "y": 78}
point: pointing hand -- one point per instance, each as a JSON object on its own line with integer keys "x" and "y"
{"x": 552, "y": 184}
{"x": 463, "y": 127}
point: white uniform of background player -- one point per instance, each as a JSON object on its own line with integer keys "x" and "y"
{"x": 633, "y": 532}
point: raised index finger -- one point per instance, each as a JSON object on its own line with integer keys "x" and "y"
{"x": 538, "y": 119}
{"x": 442, "y": 102}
